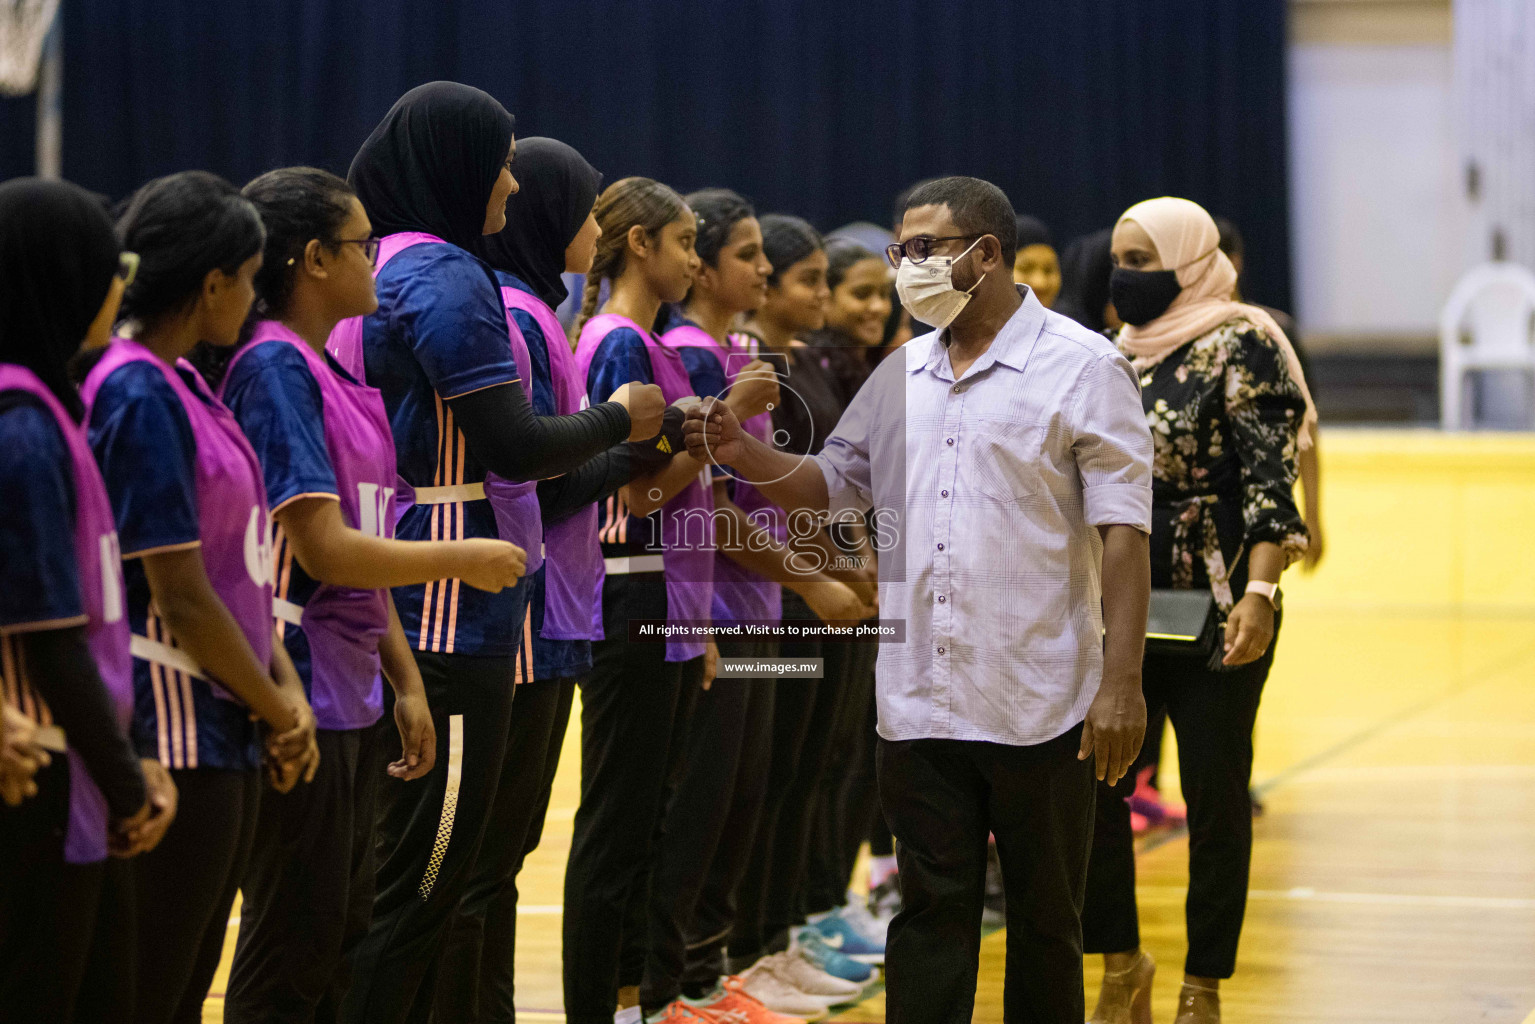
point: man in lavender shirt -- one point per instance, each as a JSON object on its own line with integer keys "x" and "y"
{"x": 1008, "y": 459}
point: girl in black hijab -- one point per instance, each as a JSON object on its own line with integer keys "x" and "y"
{"x": 59, "y": 259}
{"x": 435, "y": 163}
{"x": 542, "y": 224}
{"x": 58, "y": 255}
{"x": 1085, "y": 268}
{"x": 549, "y": 230}
{"x": 434, "y": 177}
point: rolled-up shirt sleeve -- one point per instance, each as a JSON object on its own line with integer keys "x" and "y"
{"x": 844, "y": 459}
{"x": 1112, "y": 444}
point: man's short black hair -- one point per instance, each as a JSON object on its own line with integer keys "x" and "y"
{"x": 898, "y": 210}
{"x": 978, "y": 207}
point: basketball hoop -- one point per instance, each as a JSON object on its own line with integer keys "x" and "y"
{"x": 24, "y": 26}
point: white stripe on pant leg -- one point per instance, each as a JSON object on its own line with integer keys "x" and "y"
{"x": 449, "y": 803}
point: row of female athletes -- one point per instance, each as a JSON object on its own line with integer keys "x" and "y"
{"x": 303, "y": 480}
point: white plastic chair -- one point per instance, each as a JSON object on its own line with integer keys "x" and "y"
{"x": 1488, "y": 323}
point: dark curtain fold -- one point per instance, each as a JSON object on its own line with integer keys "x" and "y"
{"x": 1076, "y": 107}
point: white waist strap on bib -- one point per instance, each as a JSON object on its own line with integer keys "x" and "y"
{"x": 287, "y": 611}
{"x": 164, "y": 655}
{"x": 449, "y": 495}
{"x": 631, "y": 564}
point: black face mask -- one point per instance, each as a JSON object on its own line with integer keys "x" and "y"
{"x": 1140, "y": 296}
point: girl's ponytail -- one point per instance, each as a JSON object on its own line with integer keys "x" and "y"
{"x": 622, "y": 205}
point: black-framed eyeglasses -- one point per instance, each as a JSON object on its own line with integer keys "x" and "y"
{"x": 918, "y": 249}
{"x": 127, "y": 266}
{"x": 369, "y": 246}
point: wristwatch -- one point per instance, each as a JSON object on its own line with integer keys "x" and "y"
{"x": 1271, "y": 591}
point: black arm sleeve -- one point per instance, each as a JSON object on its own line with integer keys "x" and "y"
{"x": 609, "y": 471}
{"x": 60, "y": 666}
{"x": 513, "y": 442}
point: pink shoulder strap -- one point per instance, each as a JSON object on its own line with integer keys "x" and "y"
{"x": 689, "y": 336}
{"x": 516, "y": 298}
{"x": 592, "y": 333}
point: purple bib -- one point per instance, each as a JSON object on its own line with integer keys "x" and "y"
{"x": 689, "y": 569}
{"x": 344, "y": 624}
{"x": 573, "y": 556}
{"x": 101, "y": 591}
{"x": 515, "y": 504}
{"x": 232, "y": 519}
{"x": 739, "y": 594}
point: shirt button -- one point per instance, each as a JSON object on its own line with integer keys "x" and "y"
{"x": 958, "y": 389}
{"x": 940, "y": 547}
{"x": 940, "y": 650}
{"x": 951, "y": 440}
{"x": 941, "y": 599}
{"x": 943, "y": 494}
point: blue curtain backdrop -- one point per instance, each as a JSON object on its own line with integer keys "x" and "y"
{"x": 1077, "y": 108}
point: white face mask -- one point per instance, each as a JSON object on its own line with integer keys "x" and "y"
{"x": 927, "y": 289}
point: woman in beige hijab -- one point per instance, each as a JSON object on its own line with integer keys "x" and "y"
{"x": 1229, "y": 411}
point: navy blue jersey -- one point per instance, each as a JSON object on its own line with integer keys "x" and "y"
{"x": 145, "y": 447}
{"x": 39, "y": 575}
{"x": 277, "y": 403}
{"x": 440, "y": 333}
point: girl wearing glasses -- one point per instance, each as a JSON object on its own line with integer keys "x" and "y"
{"x": 64, "y": 649}
{"x": 328, "y": 461}
{"x": 191, "y": 515}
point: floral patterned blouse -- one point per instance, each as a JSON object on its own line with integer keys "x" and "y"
{"x": 1225, "y": 419}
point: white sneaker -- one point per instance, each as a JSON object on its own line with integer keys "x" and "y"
{"x": 810, "y": 979}
{"x": 763, "y": 984}
{"x": 628, "y": 1015}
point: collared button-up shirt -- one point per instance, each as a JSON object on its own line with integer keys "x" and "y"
{"x": 991, "y": 488}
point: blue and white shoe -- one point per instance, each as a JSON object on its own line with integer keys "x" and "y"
{"x": 810, "y": 946}
{"x": 856, "y": 912}
{"x": 848, "y": 939}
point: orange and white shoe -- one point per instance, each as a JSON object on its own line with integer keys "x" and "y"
{"x": 679, "y": 1012}
{"x": 732, "y": 1004}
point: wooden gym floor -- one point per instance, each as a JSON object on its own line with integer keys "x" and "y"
{"x": 1394, "y": 871}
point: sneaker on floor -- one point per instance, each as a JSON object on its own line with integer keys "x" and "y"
{"x": 764, "y": 983}
{"x": 809, "y": 945}
{"x": 794, "y": 967}
{"x": 628, "y": 1015}
{"x": 856, "y": 913}
{"x": 731, "y": 1004}
{"x": 1154, "y": 810}
{"x": 677, "y": 1012}
{"x": 885, "y": 901}
{"x": 841, "y": 935}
